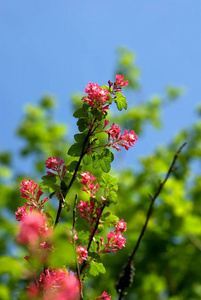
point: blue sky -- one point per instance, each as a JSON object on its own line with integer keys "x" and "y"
{"x": 57, "y": 47}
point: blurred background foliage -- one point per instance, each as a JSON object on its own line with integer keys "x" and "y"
{"x": 168, "y": 261}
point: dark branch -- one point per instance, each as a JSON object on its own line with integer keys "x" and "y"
{"x": 83, "y": 152}
{"x": 124, "y": 279}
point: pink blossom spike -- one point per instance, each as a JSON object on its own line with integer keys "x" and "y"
{"x": 82, "y": 254}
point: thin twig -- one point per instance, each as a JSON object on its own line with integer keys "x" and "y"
{"x": 83, "y": 152}
{"x": 153, "y": 198}
{"x": 91, "y": 239}
{"x": 74, "y": 245}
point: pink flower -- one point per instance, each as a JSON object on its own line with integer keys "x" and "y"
{"x": 120, "y": 226}
{"x": 82, "y": 254}
{"x": 104, "y": 296}
{"x": 22, "y": 212}
{"x": 88, "y": 180}
{"x": 114, "y": 241}
{"x": 97, "y": 97}
{"x": 114, "y": 131}
{"x": 75, "y": 235}
{"x": 106, "y": 122}
{"x": 125, "y": 140}
{"x": 55, "y": 285}
{"x": 89, "y": 211}
{"x": 33, "y": 230}
{"x": 54, "y": 164}
{"x": 119, "y": 81}
{"x": 28, "y": 190}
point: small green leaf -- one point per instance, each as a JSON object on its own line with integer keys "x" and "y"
{"x": 64, "y": 188}
{"x": 67, "y": 206}
{"x": 98, "y": 114}
{"x": 96, "y": 268}
{"x": 106, "y": 214}
{"x": 51, "y": 187}
{"x": 82, "y": 124}
{"x": 80, "y": 137}
{"x": 51, "y": 195}
{"x": 95, "y": 255}
{"x": 120, "y": 101}
{"x": 105, "y": 165}
{"x": 71, "y": 167}
{"x": 81, "y": 112}
{"x": 109, "y": 181}
{"x": 75, "y": 150}
{"x": 87, "y": 159}
{"x": 49, "y": 178}
{"x": 96, "y": 160}
{"x": 107, "y": 158}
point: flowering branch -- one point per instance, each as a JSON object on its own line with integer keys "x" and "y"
{"x": 41, "y": 236}
{"x": 125, "y": 279}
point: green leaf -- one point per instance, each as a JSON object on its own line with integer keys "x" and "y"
{"x": 71, "y": 167}
{"x": 120, "y": 101}
{"x": 87, "y": 159}
{"x": 82, "y": 124}
{"x": 96, "y": 268}
{"x": 96, "y": 160}
{"x": 81, "y": 112}
{"x": 64, "y": 188}
{"x": 106, "y": 214}
{"x": 80, "y": 137}
{"x": 107, "y": 180}
{"x": 67, "y": 206}
{"x": 49, "y": 178}
{"x": 98, "y": 114}
{"x": 105, "y": 165}
{"x": 75, "y": 150}
{"x": 95, "y": 255}
{"x": 51, "y": 195}
{"x": 107, "y": 158}
{"x": 112, "y": 218}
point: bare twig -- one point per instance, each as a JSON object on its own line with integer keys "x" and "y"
{"x": 195, "y": 241}
{"x": 123, "y": 282}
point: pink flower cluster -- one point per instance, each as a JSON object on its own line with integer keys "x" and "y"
{"x": 55, "y": 285}
{"x": 115, "y": 239}
{"x": 118, "y": 84}
{"x": 104, "y": 296}
{"x": 89, "y": 211}
{"x": 97, "y": 97}
{"x": 30, "y": 190}
{"x": 54, "y": 164}
{"x": 88, "y": 180}
{"x": 82, "y": 253}
{"x": 115, "y": 138}
{"x": 120, "y": 226}
{"x": 33, "y": 231}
